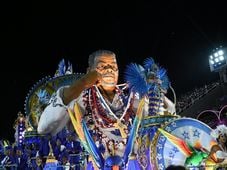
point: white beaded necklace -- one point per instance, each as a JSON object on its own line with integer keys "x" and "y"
{"x": 106, "y": 106}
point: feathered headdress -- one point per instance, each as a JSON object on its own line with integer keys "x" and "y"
{"x": 63, "y": 69}
{"x": 219, "y": 130}
{"x": 149, "y": 77}
{"x": 43, "y": 96}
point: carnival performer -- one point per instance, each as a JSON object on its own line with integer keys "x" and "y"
{"x": 218, "y": 152}
{"x": 107, "y": 109}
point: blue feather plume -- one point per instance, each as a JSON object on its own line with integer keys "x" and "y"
{"x": 98, "y": 158}
{"x": 148, "y": 78}
{"x": 43, "y": 96}
{"x": 61, "y": 67}
{"x": 131, "y": 139}
{"x": 69, "y": 69}
{"x": 148, "y": 63}
{"x": 136, "y": 79}
{"x": 165, "y": 82}
{"x": 161, "y": 72}
{"x": 113, "y": 160}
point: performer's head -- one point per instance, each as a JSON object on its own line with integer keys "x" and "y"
{"x": 105, "y": 63}
{"x": 175, "y": 167}
{"x": 222, "y": 139}
{"x": 220, "y": 133}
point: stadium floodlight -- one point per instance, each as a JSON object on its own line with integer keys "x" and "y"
{"x": 218, "y": 59}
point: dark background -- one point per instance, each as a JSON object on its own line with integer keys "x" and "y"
{"x": 35, "y": 37}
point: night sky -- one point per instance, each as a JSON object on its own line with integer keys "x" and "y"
{"x": 35, "y": 37}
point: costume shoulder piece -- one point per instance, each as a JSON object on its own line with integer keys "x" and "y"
{"x": 39, "y": 95}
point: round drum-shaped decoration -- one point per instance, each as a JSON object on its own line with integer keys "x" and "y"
{"x": 192, "y": 131}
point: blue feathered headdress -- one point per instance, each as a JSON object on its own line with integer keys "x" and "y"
{"x": 63, "y": 69}
{"x": 149, "y": 77}
{"x": 43, "y": 96}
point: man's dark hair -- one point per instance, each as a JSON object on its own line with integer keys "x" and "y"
{"x": 97, "y": 53}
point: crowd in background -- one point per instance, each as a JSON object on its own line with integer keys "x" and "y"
{"x": 188, "y": 99}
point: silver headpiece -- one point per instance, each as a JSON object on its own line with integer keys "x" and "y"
{"x": 219, "y": 130}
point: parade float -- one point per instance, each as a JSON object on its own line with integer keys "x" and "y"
{"x": 163, "y": 138}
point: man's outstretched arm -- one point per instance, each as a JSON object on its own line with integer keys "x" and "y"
{"x": 55, "y": 116}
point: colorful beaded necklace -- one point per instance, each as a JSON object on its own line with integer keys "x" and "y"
{"x": 101, "y": 111}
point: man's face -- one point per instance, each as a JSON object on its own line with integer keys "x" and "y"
{"x": 106, "y": 65}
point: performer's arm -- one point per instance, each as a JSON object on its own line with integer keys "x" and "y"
{"x": 55, "y": 116}
{"x": 169, "y": 106}
{"x": 73, "y": 91}
{"x": 214, "y": 154}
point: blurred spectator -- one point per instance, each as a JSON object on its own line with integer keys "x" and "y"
{"x": 175, "y": 167}
{"x": 191, "y": 97}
